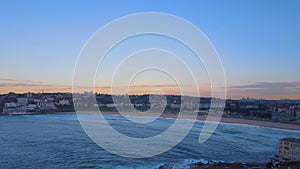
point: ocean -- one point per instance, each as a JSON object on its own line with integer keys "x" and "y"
{"x": 58, "y": 141}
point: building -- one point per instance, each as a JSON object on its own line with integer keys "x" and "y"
{"x": 22, "y": 102}
{"x": 10, "y": 105}
{"x": 64, "y": 102}
{"x": 289, "y": 149}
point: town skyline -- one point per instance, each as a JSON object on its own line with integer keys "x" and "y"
{"x": 145, "y": 93}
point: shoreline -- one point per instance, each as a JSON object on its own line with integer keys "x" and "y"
{"x": 226, "y": 120}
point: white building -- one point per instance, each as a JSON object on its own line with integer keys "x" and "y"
{"x": 63, "y": 102}
{"x": 10, "y": 105}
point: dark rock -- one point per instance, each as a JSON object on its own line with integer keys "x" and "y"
{"x": 221, "y": 165}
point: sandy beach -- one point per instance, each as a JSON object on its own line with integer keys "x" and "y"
{"x": 287, "y": 126}
{"x": 270, "y": 124}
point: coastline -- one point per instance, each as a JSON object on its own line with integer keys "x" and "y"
{"x": 269, "y": 124}
{"x": 227, "y": 120}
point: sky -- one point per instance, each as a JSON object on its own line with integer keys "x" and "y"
{"x": 258, "y": 42}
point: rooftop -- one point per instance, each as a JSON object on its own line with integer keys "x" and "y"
{"x": 295, "y": 140}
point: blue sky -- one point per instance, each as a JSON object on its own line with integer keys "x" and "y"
{"x": 258, "y": 41}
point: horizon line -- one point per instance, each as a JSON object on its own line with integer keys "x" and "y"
{"x": 246, "y": 97}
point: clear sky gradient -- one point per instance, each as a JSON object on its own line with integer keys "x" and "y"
{"x": 258, "y": 41}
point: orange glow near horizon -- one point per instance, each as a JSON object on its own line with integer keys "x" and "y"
{"x": 204, "y": 92}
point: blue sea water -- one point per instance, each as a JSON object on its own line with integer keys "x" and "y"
{"x": 58, "y": 141}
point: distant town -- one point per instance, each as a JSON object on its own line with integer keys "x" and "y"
{"x": 286, "y": 111}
